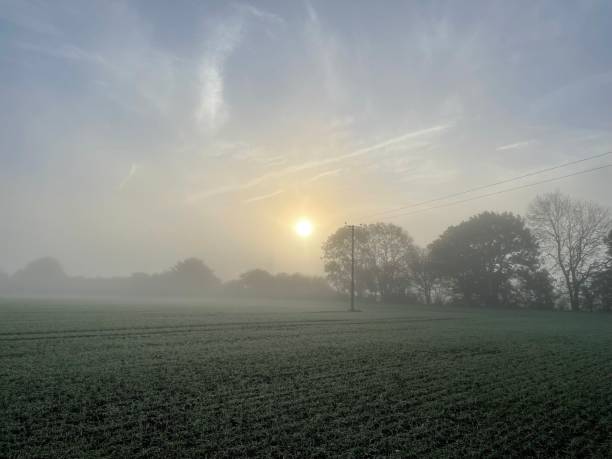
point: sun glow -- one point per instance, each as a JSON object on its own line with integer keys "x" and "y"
{"x": 303, "y": 227}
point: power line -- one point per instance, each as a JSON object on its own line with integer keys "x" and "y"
{"x": 482, "y": 187}
{"x": 507, "y": 190}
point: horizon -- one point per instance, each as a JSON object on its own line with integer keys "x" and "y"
{"x": 168, "y": 268}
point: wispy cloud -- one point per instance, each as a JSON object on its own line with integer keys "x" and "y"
{"x": 327, "y": 52}
{"x": 322, "y": 175}
{"x": 259, "y": 13}
{"x": 212, "y": 111}
{"x": 133, "y": 74}
{"x": 316, "y": 163}
{"x": 263, "y": 196}
{"x": 230, "y": 188}
{"x": 513, "y": 146}
{"x": 394, "y": 141}
{"x": 129, "y": 176}
{"x": 275, "y": 160}
{"x": 428, "y": 171}
{"x": 64, "y": 51}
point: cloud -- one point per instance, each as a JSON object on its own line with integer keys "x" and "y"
{"x": 513, "y": 146}
{"x": 327, "y": 52}
{"x": 323, "y": 174}
{"x": 316, "y": 163}
{"x": 230, "y": 188}
{"x": 128, "y": 177}
{"x": 275, "y": 160}
{"x": 429, "y": 171}
{"x": 132, "y": 72}
{"x": 212, "y": 112}
{"x": 259, "y": 13}
{"x": 394, "y": 141}
{"x": 65, "y": 51}
{"x": 262, "y": 197}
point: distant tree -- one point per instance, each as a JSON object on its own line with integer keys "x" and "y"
{"x": 425, "y": 276}
{"x": 137, "y": 284}
{"x": 261, "y": 283}
{"x": 46, "y": 268}
{"x": 337, "y": 259}
{"x": 390, "y": 251}
{"x": 40, "y": 276}
{"x": 572, "y": 236}
{"x": 599, "y": 293}
{"x": 535, "y": 289}
{"x": 4, "y": 279}
{"x": 490, "y": 260}
{"x": 383, "y": 256}
{"x": 189, "y": 277}
{"x": 257, "y": 282}
{"x": 298, "y": 285}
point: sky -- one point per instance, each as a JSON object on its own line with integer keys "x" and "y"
{"x": 137, "y": 133}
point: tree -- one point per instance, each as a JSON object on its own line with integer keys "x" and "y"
{"x": 189, "y": 277}
{"x": 389, "y": 254}
{"x": 572, "y": 235}
{"x": 256, "y": 282}
{"x": 43, "y": 275}
{"x": 260, "y": 283}
{"x": 536, "y": 290}
{"x": 298, "y": 285}
{"x": 424, "y": 275}
{"x": 383, "y": 256}
{"x": 4, "y": 279}
{"x": 490, "y": 259}
{"x": 337, "y": 259}
{"x": 600, "y": 290}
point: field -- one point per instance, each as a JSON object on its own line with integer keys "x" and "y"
{"x": 298, "y": 379}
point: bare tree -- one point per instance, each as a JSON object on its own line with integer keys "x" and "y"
{"x": 424, "y": 275}
{"x": 571, "y": 234}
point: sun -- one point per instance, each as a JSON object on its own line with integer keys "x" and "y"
{"x": 303, "y": 227}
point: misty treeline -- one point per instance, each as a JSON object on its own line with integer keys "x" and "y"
{"x": 190, "y": 278}
{"x": 559, "y": 256}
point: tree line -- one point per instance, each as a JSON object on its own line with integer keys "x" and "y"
{"x": 189, "y": 278}
{"x": 559, "y": 256}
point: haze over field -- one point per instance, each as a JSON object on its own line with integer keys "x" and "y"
{"x": 305, "y": 228}
{"x": 134, "y": 134}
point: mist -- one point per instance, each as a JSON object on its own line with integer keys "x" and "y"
{"x": 134, "y": 135}
{"x": 305, "y": 228}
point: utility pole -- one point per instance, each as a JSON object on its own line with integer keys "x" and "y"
{"x": 352, "y": 227}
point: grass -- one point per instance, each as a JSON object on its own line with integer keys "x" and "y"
{"x": 300, "y": 379}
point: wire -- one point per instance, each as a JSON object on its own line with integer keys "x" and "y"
{"x": 507, "y": 190}
{"x": 482, "y": 187}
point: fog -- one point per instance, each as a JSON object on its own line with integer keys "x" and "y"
{"x": 136, "y": 134}
{"x": 305, "y": 228}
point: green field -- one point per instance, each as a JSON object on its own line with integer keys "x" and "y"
{"x": 298, "y": 379}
